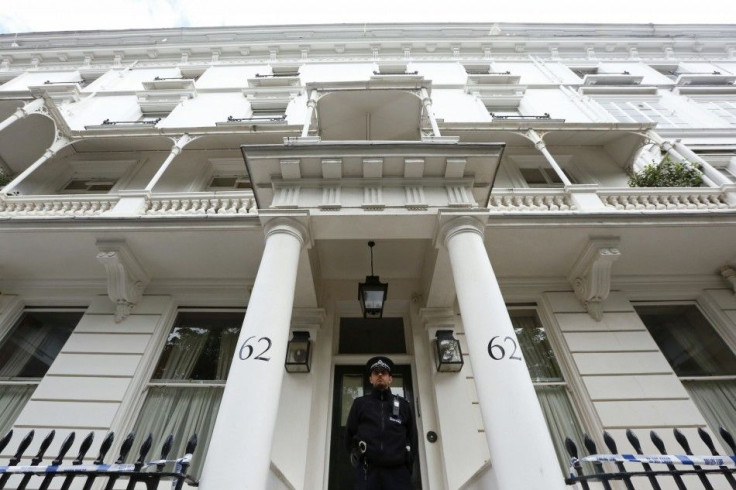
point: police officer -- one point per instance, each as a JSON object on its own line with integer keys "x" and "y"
{"x": 381, "y": 434}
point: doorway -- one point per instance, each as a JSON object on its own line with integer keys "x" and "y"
{"x": 352, "y": 382}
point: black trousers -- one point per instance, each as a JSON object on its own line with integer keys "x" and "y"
{"x": 375, "y": 478}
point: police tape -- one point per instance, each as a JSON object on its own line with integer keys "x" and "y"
{"x": 99, "y": 468}
{"x": 655, "y": 459}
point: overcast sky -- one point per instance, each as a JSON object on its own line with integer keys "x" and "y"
{"x": 68, "y": 15}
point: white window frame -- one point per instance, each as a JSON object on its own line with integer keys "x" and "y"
{"x": 514, "y": 163}
{"x": 646, "y": 109}
{"x": 8, "y": 327}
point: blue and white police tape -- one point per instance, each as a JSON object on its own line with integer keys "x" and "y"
{"x": 91, "y": 468}
{"x": 655, "y": 459}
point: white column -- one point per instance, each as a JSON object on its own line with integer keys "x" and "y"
{"x": 57, "y": 145}
{"x": 311, "y": 107}
{"x": 28, "y": 109}
{"x": 521, "y": 450}
{"x": 427, "y": 103}
{"x": 681, "y": 153}
{"x": 175, "y": 150}
{"x": 239, "y": 455}
{"x": 539, "y": 144}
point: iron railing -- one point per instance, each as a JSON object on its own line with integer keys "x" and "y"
{"x": 150, "y": 473}
{"x": 712, "y": 470}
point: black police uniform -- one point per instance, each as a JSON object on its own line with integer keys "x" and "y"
{"x": 385, "y": 423}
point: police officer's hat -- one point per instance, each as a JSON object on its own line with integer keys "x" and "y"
{"x": 379, "y": 362}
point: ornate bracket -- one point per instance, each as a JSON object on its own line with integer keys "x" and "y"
{"x": 126, "y": 278}
{"x": 729, "y": 274}
{"x": 591, "y": 275}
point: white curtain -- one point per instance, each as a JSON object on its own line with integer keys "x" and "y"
{"x": 184, "y": 351}
{"x": 535, "y": 348}
{"x": 180, "y": 411}
{"x": 561, "y": 421}
{"x": 12, "y": 400}
{"x": 228, "y": 341}
{"x": 717, "y": 402}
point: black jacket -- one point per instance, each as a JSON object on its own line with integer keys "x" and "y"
{"x": 372, "y": 420}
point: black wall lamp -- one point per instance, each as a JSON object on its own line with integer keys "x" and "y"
{"x": 448, "y": 352}
{"x": 298, "y": 353}
{"x": 372, "y": 293}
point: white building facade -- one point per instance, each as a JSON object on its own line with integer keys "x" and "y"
{"x": 178, "y": 204}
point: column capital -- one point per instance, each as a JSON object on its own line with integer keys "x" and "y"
{"x": 296, "y": 226}
{"x": 452, "y": 224}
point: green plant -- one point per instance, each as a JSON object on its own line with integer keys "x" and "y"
{"x": 4, "y": 178}
{"x": 667, "y": 174}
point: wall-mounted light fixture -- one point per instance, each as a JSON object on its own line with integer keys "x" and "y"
{"x": 372, "y": 293}
{"x": 448, "y": 352}
{"x": 298, "y": 353}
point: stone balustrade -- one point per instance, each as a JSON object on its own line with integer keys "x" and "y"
{"x": 64, "y": 206}
{"x": 201, "y": 203}
{"x": 521, "y": 200}
{"x": 664, "y": 199}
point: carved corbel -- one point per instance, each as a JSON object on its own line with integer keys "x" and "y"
{"x": 591, "y": 274}
{"x": 729, "y": 274}
{"x": 126, "y": 278}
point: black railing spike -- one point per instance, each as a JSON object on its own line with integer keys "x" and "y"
{"x": 22, "y": 447}
{"x": 125, "y": 448}
{"x": 105, "y": 447}
{"x": 682, "y": 440}
{"x": 708, "y": 440}
{"x": 6, "y": 439}
{"x": 166, "y": 447}
{"x": 658, "y": 442}
{"x": 65, "y": 446}
{"x": 43, "y": 447}
{"x": 589, "y": 444}
{"x": 610, "y": 443}
{"x": 145, "y": 447}
{"x": 634, "y": 441}
{"x": 728, "y": 438}
{"x": 191, "y": 444}
{"x": 571, "y": 448}
{"x": 83, "y": 448}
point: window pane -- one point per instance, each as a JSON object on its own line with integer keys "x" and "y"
{"x": 34, "y": 343}
{"x": 533, "y": 176}
{"x": 561, "y": 421}
{"x": 535, "y": 347}
{"x": 374, "y": 336}
{"x": 180, "y": 411}
{"x": 716, "y": 401}
{"x": 200, "y": 346}
{"x": 687, "y": 340}
{"x": 12, "y": 400}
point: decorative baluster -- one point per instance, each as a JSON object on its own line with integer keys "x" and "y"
{"x": 660, "y": 447}
{"x": 18, "y": 455}
{"x": 634, "y": 441}
{"x": 611, "y": 445}
{"x": 104, "y": 448}
{"x": 83, "y": 448}
{"x": 705, "y": 437}
{"x": 65, "y": 446}
{"x": 572, "y": 450}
